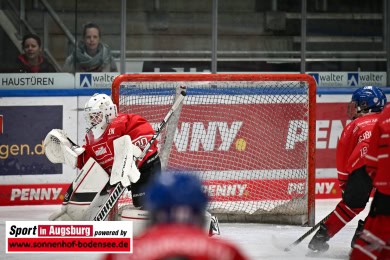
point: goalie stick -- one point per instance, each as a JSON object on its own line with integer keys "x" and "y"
{"x": 314, "y": 228}
{"x": 119, "y": 188}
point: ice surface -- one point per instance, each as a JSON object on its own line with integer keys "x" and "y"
{"x": 257, "y": 241}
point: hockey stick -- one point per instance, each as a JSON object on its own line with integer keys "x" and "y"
{"x": 314, "y": 228}
{"x": 119, "y": 189}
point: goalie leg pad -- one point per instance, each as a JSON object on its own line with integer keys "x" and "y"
{"x": 88, "y": 185}
{"x": 139, "y": 217}
{"x": 124, "y": 169}
{"x": 96, "y": 204}
{"x": 92, "y": 178}
{"x": 70, "y": 212}
{"x": 60, "y": 216}
{"x": 84, "y": 209}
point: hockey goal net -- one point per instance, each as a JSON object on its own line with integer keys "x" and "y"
{"x": 249, "y": 137}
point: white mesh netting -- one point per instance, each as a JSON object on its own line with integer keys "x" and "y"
{"x": 246, "y": 140}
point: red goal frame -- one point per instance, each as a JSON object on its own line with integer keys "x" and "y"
{"x": 115, "y": 92}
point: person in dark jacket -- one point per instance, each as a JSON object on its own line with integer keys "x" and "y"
{"x": 31, "y": 60}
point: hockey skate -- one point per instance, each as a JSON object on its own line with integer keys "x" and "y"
{"x": 358, "y": 231}
{"x": 214, "y": 226}
{"x": 318, "y": 242}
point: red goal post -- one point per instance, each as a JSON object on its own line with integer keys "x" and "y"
{"x": 249, "y": 137}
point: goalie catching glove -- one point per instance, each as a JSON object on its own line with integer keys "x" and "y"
{"x": 60, "y": 149}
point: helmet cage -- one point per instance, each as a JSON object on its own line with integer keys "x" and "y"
{"x": 93, "y": 118}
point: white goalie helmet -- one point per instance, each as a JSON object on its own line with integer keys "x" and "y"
{"x": 99, "y": 111}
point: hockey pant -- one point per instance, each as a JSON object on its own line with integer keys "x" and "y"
{"x": 149, "y": 170}
{"x": 355, "y": 197}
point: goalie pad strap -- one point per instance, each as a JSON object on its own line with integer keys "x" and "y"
{"x": 83, "y": 197}
{"x": 60, "y": 215}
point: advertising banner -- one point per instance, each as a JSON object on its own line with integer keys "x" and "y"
{"x": 331, "y": 120}
{"x": 21, "y": 139}
{"x": 36, "y": 81}
{"x": 104, "y": 79}
{"x": 32, "y": 194}
{"x": 349, "y": 79}
{"x": 327, "y": 188}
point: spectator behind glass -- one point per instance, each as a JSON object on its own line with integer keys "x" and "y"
{"x": 31, "y": 60}
{"x": 91, "y": 54}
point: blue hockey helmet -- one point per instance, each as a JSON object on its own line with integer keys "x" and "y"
{"x": 176, "y": 197}
{"x": 366, "y": 99}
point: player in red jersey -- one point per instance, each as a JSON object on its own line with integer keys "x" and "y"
{"x": 105, "y": 125}
{"x": 177, "y": 205}
{"x": 356, "y": 185}
{"x": 112, "y": 140}
{"x": 374, "y": 240}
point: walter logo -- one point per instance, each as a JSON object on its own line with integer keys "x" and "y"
{"x": 316, "y": 77}
{"x": 353, "y": 79}
{"x": 86, "y": 80}
{"x": 1, "y": 124}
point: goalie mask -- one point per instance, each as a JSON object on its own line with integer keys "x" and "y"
{"x": 99, "y": 112}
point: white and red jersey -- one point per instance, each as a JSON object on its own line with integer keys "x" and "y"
{"x": 102, "y": 149}
{"x": 353, "y": 145}
{"x": 167, "y": 241}
{"x": 378, "y": 155}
